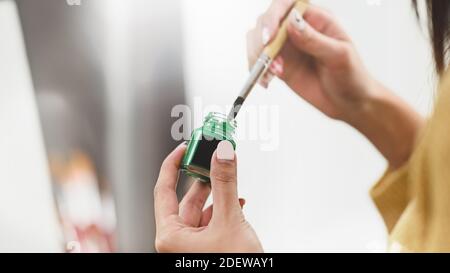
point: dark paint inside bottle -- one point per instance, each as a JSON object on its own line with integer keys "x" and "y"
{"x": 204, "y": 153}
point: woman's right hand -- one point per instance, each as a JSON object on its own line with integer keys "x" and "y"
{"x": 318, "y": 62}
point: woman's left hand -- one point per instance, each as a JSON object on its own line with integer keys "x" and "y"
{"x": 185, "y": 226}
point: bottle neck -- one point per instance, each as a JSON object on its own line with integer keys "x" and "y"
{"x": 220, "y": 126}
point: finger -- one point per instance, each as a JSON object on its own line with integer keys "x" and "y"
{"x": 253, "y": 48}
{"x": 165, "y": 196}
{"x": 191, "y": 206}
{"x": 309, "y": 40}
{"x": 271, "y": 20}
{"x": 324, "y": 22}
{"x": 266, "y": 79}
{"x": 207, "y": 213}
{"x": 256, "y": 40}
{"x": 224, "y": 181}
{"x": 206, "y": 216}
{"x": 266, "y": 28}
{"x": 277, "y": 67}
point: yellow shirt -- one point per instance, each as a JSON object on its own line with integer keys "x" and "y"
{"x": 414, "y": 200}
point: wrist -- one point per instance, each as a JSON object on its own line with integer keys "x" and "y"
{"x": 388, "y": 122}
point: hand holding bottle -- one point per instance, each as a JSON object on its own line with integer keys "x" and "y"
{"x": 186, "y": 226}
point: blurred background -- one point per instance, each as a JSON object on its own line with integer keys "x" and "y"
{"x": 86, "y": 93}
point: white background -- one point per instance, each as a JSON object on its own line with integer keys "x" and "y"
{"x": 311, "y": 194}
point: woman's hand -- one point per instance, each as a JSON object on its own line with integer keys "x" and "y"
{"x": 187, "y": 227}
{"x": 320, "y": 63}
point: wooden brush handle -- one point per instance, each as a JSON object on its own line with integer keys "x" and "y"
{"x": 274, "y": 47}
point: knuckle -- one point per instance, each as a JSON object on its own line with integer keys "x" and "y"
{"x": 344, "y": 53}
{"x": 165, "y": 164}
{"x": 195, "y": 204}
{"x": 160, "y": 191}
{"x": 342, "y": 58}
{"x": 307, "y": 38}
{"x": 226, "y": 175}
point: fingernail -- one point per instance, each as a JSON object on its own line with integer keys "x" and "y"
{"x": 298, "y": 21}
{"x": 277, "y": 68}
{"x": 266, "y": 79}
{"x": 225, "y": 151}
{"x": 264, "y": 84}
{"x": 270, "y": 77}
{"x": 265, "y": 36}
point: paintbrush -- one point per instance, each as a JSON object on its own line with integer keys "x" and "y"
{"x": 266, "y": 58}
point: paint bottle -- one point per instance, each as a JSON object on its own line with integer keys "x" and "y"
{"x": 203, "y": 143}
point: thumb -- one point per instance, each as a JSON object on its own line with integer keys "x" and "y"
{"x": 307, "y": 39}
{"x": 224, "y": 181}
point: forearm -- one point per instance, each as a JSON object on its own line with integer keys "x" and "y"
{"x": 390, "y": 124}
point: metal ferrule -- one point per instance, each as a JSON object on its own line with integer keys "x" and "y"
{"x": 260, "y": 67}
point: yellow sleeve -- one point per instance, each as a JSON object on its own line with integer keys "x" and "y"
{"x": 390, "y": 195}
{"x": 414, "y": 200}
